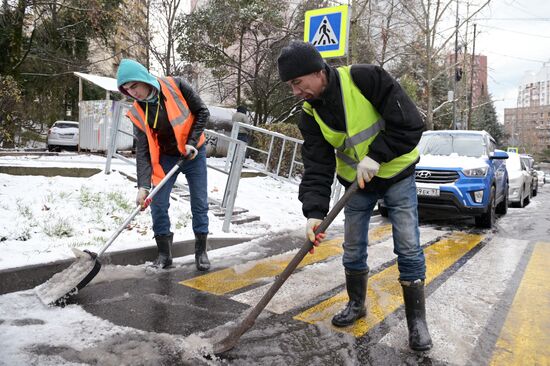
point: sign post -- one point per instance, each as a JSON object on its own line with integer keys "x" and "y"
{"x": 328, "y": 30}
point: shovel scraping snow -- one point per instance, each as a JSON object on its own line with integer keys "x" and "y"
{"x": 230, "y": 341}
{"x": 58, "y": 289}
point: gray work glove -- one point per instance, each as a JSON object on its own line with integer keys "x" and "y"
{"x": 141, "y": 198}
{"x": 366, "y": 170}
{"x": 190, "y": 152}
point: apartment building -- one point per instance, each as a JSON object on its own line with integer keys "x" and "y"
{"x": 128, "y": 41}
{"x": 528, "y": 125}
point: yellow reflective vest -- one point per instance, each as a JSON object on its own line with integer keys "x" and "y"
{"x": 363, "y": 124}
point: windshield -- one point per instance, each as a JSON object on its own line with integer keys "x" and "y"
{"x": 447, "y": 144}
{"x": 65, "y": 125}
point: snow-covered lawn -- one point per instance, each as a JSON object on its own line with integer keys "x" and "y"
{"x": 42, "y": 218}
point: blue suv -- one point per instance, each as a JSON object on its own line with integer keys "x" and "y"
{"x": 462, "y": 172}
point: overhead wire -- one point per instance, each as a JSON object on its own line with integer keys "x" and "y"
{"x": 518, "y": 58}
{"x": 517, "y": 19}
{"x": 513, "y": 31}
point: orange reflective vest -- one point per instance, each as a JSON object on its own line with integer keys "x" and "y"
{"x": 179, "y": 116}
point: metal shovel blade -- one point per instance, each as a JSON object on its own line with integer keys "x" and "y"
{"x": 227, "y": 344}
{"x": 58, "y": 289}
{"x": 230, "y": 341}
{"x": 68, "y": 282}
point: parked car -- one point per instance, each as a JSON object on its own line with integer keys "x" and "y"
{"x": 63, "y": 134}
{"x": 530, "y": 162}
{"x": 547, "y": 178}
{"x": 461, "y": 172}
{"x": 520, "y": 180}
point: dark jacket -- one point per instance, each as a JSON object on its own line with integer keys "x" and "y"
{"x": 404, "y": 127}
{"x": 165, "y": 133}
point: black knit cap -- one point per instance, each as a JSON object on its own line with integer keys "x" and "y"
{"x": 299, "y": 59}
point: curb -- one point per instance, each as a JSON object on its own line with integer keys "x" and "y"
{"x": 27, "y": 277}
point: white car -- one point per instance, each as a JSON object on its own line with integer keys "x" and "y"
{"x": 519, "y": 180}
{"x": 63, "y": 134}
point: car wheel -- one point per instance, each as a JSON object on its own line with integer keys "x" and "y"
{"x": 50, "y": 148}
{"x": 528, "y": 197}
{"x": 502, "y": 208}
{"x": 535, "y": 190}
{"x": 521, "y": 203}
{"x": 487, "y": 220}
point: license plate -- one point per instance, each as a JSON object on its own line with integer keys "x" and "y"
{"x": 431, "y": 192}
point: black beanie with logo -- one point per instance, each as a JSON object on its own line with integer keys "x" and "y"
{"x": 299, "y": 59}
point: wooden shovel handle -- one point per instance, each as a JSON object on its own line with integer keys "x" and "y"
{"x": 231, "y": 340}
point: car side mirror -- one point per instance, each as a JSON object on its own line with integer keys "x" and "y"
{"x": 498, "y": 154}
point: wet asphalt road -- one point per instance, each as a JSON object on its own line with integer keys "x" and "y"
{"x": 470, "y": 300}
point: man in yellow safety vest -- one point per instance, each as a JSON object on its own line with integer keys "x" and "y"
{"x": 358, "y": 122}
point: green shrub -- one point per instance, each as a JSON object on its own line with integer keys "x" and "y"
{"x": 24, "y": 210}
{"x": 57, "y": 228}
{"x": 24, "y": 234}
{"x": 118, "y": 200}
{"x": 89, "y": 243}
{"x": 89, "y": 199}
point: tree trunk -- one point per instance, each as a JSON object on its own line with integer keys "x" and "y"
{"x": 239, "y": 72}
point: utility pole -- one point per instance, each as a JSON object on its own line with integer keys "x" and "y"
{"x": 455, "y": 69}
{"x": 470, "y": 95}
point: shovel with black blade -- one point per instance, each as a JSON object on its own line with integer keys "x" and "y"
{"x": 230, "y": 341}
{"x": 58, "y": 289}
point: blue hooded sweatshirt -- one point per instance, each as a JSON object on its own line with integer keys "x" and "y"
{"x": 130, "y": 70}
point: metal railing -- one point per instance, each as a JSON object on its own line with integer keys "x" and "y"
{"x": 276, "y": 139}
{"x": 233, "y": 172}
{"x": 295, "y": 161}
{"x": 235, "y": 160}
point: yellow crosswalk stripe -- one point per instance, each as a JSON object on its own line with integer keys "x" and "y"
{"x": 384, "y": 291}
{"x": 234, "y": 278}
{"x": 525, "y": 336}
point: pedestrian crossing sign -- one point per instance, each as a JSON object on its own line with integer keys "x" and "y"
{"x": 327, "y": 30}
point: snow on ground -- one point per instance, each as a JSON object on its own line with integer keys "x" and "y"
{"x": 42, "y": 218}
{"x": 72, "y": 336}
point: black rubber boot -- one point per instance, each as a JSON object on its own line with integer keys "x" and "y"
{"x": 356, "y": 285}
{"x": 415, "y": 309}
{"x": 164, "y": 244}
{"x": 201, "y": 258}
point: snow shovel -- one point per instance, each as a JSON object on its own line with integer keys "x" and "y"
{"x": 58, "y": 289}
{"x": 230, "y": 341}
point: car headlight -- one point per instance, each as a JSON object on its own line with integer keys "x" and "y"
{"x": 476, "y": 172}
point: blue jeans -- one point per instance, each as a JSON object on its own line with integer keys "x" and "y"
{"x": 195, "y": 173}
{"x": 402, "y": 203}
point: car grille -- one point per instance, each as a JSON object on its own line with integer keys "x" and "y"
{"x": 436, "y": 176}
